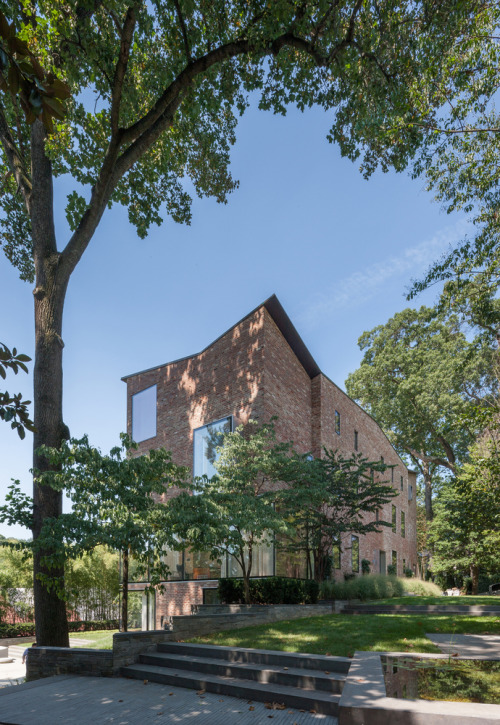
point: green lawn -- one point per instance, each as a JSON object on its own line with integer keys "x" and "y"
{"x": 341, "y": 635}
{"x": 100, "y": 639}
{"x": 464, "y": 601}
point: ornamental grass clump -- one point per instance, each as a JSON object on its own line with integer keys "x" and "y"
{"x": 371, "y": 586}
{"x": 421, "y": 588}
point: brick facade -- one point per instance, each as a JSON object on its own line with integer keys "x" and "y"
{"x": 258, "y": 369}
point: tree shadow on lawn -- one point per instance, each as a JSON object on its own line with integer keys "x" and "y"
{"x": 341, "y": 635}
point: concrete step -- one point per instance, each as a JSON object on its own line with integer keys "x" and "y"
{"x": 259, "y": 656}
{"x": 321, "y": 702}
{"x": 473, "y": 610}
{"x": 289, "y": 676}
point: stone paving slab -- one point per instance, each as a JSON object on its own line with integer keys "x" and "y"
{"x": 481, "y": 646}
{"x": 75, "y": 700}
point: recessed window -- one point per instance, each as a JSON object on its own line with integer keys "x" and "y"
{"x": 336, "y": 555}
{"x": 401, "y": 482}
{"x": 144, "y": 414}
{"x": 206, "y": 441}
{"x": 395, "y": 559}
{"x": 394, "y": 518}
{"x": 392, "y": 474}
{"x": 355, "y": 553}
{"x": 337, "y": 422}
{"x": 377, "y": 515}
{"x": 403, "y": 524}
{"x": 356, "y": 444}
{"x": 410, "y": 492}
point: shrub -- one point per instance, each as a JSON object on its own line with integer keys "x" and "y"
{"x": 270, "y": 590}
{"x": 27, "y": 629}
{"x": 392, "y": 570}
{"x": 365, "y": 566}
{"x": 408, "y": 573}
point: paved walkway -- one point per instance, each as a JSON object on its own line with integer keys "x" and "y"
{"x": 482, "y": 646}
{"x": 94, "y": 700}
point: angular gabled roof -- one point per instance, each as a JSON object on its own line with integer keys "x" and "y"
{"x": 285, "y": 326}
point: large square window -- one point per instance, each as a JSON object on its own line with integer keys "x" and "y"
{"x": 206, "y": 441}
{"x": 144, "y": 414}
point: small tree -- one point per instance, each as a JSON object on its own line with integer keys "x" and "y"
{"x": 234, "y": 512}
{"x": 117, "y": 501}
{"x": 328, "y": 497}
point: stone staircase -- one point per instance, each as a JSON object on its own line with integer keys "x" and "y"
{"x": 301, "y": 681}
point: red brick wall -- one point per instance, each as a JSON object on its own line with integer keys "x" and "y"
{"x": 252, "y": 372}
{"x": 179, "y": 598}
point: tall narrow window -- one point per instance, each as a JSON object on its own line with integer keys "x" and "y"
{"x": 355, "y": 553}
{"x": 394, "y": 518}
{"x": 403, "y": 524}
{"x": 410, "y": 492}
{"x": 356, "y": 440}
{"x": 206, "y": 441}
{"x": 392, "y": 474}
{"x": 401, "y": 482}
{"x": 336, "y": 554}
{"x": 395, "y": 559}
{"x": 376, "y": 515}
{"x": 144, "y": 414}
{"x": 337, "y": 422}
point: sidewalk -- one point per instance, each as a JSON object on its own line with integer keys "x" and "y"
{"x": 94, "y": 700}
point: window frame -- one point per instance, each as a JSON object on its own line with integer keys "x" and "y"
{"x": 394, "y": 519}
{"x": 403, "y": 525}
{"x": 337, "y": 423}
{"x": 134, "y": 397}
{"x": 229, "y": 417}
{"x": 354, "y": 547}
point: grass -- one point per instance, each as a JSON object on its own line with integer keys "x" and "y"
{"x": 341, "y": 635}
{"x": 100, "y": 639}
{"x": 464, "y": 600}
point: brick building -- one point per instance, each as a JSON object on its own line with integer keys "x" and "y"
{"x": 257, "y": 369}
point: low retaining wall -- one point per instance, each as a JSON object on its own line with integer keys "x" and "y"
{"x": 473, "y": 610}
{"x": 364, "y": 700}
{"x": 127, "y": 646}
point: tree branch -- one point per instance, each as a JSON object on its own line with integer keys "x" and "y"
{"x": 127, "y": 34}
{"x": 435, "y": 460}
{"x": 15, "y": 161}
{"x": 183, "y": 30}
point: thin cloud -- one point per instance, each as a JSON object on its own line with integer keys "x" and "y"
{"x": 361, "y": 287}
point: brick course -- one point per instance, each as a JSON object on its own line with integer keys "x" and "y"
{"x": 258, "y": 369}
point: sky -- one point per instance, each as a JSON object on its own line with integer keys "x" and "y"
{"x": 339, "y": 251}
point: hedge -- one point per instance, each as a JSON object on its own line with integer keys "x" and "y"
{"x": 270, "y": 590}
{"x": 27, "y": 629}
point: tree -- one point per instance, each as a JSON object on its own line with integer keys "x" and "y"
{"x": 328, "y": 497}
{"x": 169, "y": 79}
{"x": 465, "y": 533}
{"x": 117, "y": 502}
{"x": 421, "y": 380}
{"x": 235, "y": 511}
{"x": 13, "y": 409}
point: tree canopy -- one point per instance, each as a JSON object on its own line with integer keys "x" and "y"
{"x": 152, "y": 93}
{"x": 422, "y": 380}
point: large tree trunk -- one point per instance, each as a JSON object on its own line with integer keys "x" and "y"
{"x": 474, "y": 572}
{"x": 49, "y": 294}
{"x": 429, "y": 514}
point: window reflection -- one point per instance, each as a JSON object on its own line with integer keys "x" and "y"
{"x": 206, "y": 441}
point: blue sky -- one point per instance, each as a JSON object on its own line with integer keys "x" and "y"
{"x": 339, "y": 252}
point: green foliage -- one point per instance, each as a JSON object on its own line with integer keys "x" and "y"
{"x": 365, "y": 566}
{"x": 372, "y": 586}
{"x": 21, "y": 76}
{"x": 420, "y": 588}
{"x": 116, "y": 503}
{"x": 465, "y": 533}
{"x": 27, "y": 629}
{"x": 326, "y": 498}
{"x": 420, "y": 379}
{"x": 270, "y": 590}
{"x": 392, "y": 570}
{"x": 234, "y": 512}
{"x": 170, "y": 80}
{"x": 13, "y": 409}
{"x": 92, "y": 584}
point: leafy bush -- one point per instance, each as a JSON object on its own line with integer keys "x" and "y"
{"x": 270, "y": 590}
{"x": 27, "y": 629}
{"x": 408, "y": 573}
{"x": 365, "y": 566}
{"x": 371, "y": 586}
{"x": 392, "y": 570}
